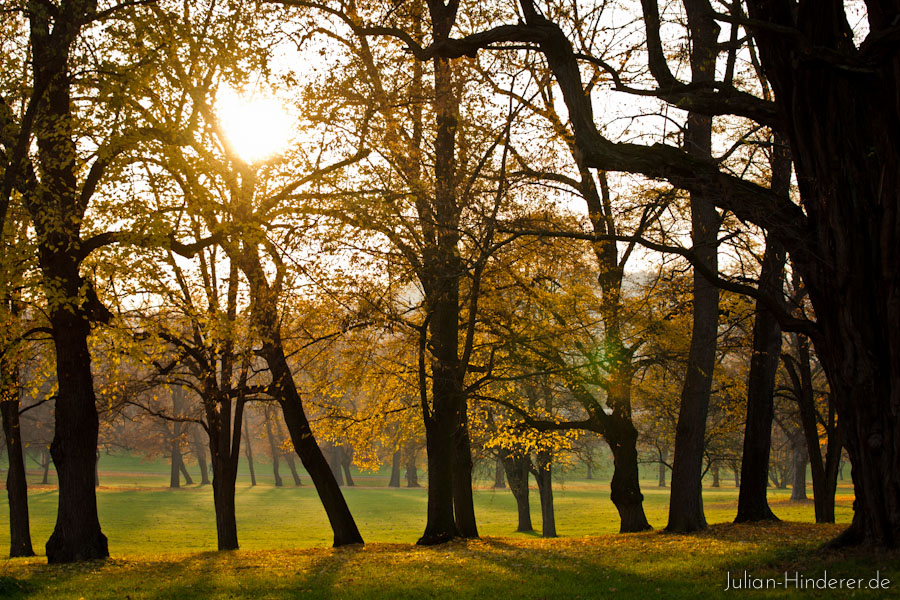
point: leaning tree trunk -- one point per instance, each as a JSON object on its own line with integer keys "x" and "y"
{"x": 16, "y": 483}
{"x": 518, "y": 466}
{"x": 752, "y": 502}
{"x": 285, "y": 391}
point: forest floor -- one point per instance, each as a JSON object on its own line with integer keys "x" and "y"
{"x": 162, "y": 544}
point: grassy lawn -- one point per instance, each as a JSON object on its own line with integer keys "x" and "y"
{"x": 162, "y": 542}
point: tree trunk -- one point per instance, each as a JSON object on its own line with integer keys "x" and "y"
{"x": 342, "y": 523}
{"x": 752, "y": 502}
{"x": 248, "y": 452}
{"x": 499, "y": 480}
{"x": 200, "y": 452}
{"x": 332, "y": 456}
{"x": 715, "y": 475}
{"x": 175, "y": 456}
{"x": 16, "y": 483}
{"x": 45, "y": 466}
{"x": 843, "y": 126}
{"x": 77, "y": 535}
{"x": 824, "y": 472}
{"x": 289, "y": 458}
{"x": 544, "y": 476}
{"x": 662, "y": 469}
{"x": 799, "y": 459}
{"x": 188, "y": 480}
{"x": 412, "y": 472}
{"x": 625, "y": 487}
{"x": 346, "y": 455}
{"x": 517, "y": 466}
{"x": 395, "y": 469}
{"x": 274, "y": 449}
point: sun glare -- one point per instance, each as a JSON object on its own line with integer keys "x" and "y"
{"x": 258, "y": 127}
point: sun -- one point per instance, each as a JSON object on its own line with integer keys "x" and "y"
{"x": 258, "y": 127}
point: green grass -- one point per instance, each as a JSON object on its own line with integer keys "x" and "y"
{"x": 162, "y": 542}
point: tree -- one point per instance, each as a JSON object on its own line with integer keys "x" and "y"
{"x": 842, "y": 241}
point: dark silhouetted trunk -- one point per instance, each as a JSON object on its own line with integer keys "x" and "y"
{"x": 518, "y": 466}
{"x": 77, "y": 535}
{"x": 543, "y": 474}
{"x": 188, "y": 480}
{"x": 843, "y": 126}
{"x": 395, "y": 469}
{"x": 625, "y": 487}
{"x": 752, "y": 502}
{"x": 715, "y": 475}
{"x": 16, "y": 483}
{"x": 824, "y": 471}
{"x": 285, "y": 391}
{"x": 686, "y": 500}
{"x": 412, "y": 472}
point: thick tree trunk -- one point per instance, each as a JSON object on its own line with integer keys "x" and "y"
{"x": 543, "y": 474}
{"x": 844, "y": 126}
{"x": 463, "y": 502}
{"x": 16, "y": 483}
{"x": 412, "y": 472}
{"x": 77, "y": 535}
{"x": 752, "y": 502}
{"x": 395, "y": 469}
{"x": 625, "y": 487}
{"x": 517, "y": 466}
{"x": 224, "y": 478}
{"x": 441, "y": 524}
